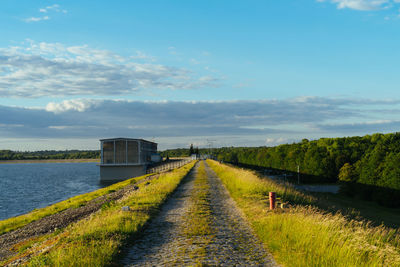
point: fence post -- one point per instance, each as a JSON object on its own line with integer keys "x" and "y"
{"x": 272, "y": 200}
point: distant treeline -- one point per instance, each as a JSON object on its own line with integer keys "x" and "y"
{"x": 49, "y": 154}
{"x": 368, "y": 166}
{"x": 183, "y": 152}
{"x": 371, "y": 160}
{"x": 178, "y": 152}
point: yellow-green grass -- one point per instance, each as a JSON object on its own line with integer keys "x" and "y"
{"x": 199, "y": 213}
{"x": 97, "y": 240}
{"x": 198, "y": 217}
{"x": 74, "y": 202}
{"x": 302, "y": 235}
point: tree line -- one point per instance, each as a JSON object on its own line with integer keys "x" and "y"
{"x": 371, "y": 159}
{"x": 368, "y": 166}
{"x": 49, "y": 154}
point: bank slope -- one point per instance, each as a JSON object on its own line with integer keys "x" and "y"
{"x": 303, "y": 235}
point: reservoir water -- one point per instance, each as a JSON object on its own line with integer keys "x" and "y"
{"x": 24, "y": 187}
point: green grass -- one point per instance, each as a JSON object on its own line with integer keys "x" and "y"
{"x": 74, "y": 202}
{"x": 97, "y": 240}
{"x": 199, "y": 214}
{"x": 303, "y": 235}
{"x": 198, "y": 218}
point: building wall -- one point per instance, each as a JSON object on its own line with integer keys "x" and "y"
{"x": 122, "y": 151}
{"x": 147, "y": 149}
{"x": 119, "y": 173}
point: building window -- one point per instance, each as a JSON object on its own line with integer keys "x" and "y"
{"x": 133, "y": 152}
{"x": 120, "y": 152}
{"x": 108, "y": 152}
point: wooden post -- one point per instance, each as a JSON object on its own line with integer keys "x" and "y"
{"x": 272, "y": 200}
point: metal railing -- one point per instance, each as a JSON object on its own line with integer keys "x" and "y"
{"x": 168, "y": 166}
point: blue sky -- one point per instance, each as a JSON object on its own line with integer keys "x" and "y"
{"x": 242, "y": 73}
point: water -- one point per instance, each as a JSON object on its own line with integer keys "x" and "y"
{"x": 24, "y": 187}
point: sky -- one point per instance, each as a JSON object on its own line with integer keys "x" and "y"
{"x": 210, "y": 73}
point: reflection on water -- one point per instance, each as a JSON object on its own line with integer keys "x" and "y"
{"x": 24, "y": 187}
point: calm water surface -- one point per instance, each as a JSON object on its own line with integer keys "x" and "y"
{"x": 24, "y": 187}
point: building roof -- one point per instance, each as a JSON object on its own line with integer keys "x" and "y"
{"x": 123, "y": 138}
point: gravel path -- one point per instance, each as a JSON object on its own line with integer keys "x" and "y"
{"x": 164, "y": 243}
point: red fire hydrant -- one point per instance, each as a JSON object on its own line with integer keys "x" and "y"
{"x": 272, "y": 200}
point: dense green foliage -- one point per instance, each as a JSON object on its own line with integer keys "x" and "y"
{"x": 184, "y": 152}
{"x": 173, "y": 153}
{"x": 49, "y": 154}
{"x": 371, "y": 160}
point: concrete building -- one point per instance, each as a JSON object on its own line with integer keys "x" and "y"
{"x": 123, "y": 158}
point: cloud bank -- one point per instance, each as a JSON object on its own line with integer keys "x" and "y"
{"x": 271, "y": 120}
{"x": 54, "y": 70}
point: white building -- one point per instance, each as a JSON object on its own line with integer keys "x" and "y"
{"x": 123, "y": 158}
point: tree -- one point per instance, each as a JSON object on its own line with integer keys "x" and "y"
{"x": 347, "y": 173}
{"x": 191, "y": 150}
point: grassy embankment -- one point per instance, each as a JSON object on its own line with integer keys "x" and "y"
{"x": 359, "y": 209}
{"x": 303, "y": 235}
{"x": 97, "y": 240}
{"x": 74, "y": 202}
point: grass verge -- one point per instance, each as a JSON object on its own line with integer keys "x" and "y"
{"x": 74, "y": 202}
{"x": 97, "y": 240}
{"x": 198, "y": 220}
{"x": 303, "y": 235}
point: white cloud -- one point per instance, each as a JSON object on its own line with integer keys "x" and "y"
{"x": 36, "y": 19}
{"x": 276, "y": 141}
{"x": 70, "y": 105}
{"x": 52, "y": 69}
{"x": 55, "y": 8}
{"x": 46, "y": 10}
{"x": 363, "y": 5}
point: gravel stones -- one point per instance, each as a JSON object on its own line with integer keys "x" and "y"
{"x": 163, "y": 242}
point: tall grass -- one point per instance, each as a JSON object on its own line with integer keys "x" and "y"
{"x": 74, "y": 202}
{"x": 303, "y": 235}
{"x": 97, "y": 240}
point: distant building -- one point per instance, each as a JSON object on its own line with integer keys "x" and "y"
{"x": 123, "y": 158}
{"x": 195, "y": 156}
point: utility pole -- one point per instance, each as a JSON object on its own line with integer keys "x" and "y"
{"x": 298, "y": 174}
{"x": 210, "y": 144}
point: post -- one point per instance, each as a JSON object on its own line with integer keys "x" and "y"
{"x": 114, "y": 151}
{"x": 272, "y": 200}
{"x": 126, "y": 152}
{"x": 298, "y": 174}
{"x": 101, "y": 156}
